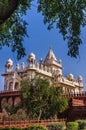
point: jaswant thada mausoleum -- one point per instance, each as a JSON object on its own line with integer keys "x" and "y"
{"x": 50, "y": 68}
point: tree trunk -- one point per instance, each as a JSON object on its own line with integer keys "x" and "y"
{"x": 39, "y": 117}
{"x": 6, "y": 13}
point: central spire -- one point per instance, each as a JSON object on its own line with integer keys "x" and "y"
{"x": 50, "y": 55}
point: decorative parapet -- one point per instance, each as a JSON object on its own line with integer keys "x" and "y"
{"x": 81, "y": 94}
{"x": 40, "y": 69}
{"x": 68, "y": 82}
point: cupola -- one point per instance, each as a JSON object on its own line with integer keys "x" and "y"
{"x": 70, "y": 77}
{"x": 31, "y": 58}
{"x": 80, "y": 79}
{"x": 9, "y": 64}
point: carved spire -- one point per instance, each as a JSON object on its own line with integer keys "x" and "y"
{"x": 50, "y": 55}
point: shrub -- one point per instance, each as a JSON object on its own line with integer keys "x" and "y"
{"x": 56, "y": 126}
{"x": 16, "y": 129}
{"x": 82, "y": 124}
{"x": 11, "y": 129}
{"x": 19, "y": 115}
{"x": 72, "y": 126}
{"x": 5, "y": 128}
{"x": 35, "y": 127}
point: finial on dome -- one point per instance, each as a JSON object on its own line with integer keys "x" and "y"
{"x": 50, "y": 47}
{"x": 41, "y": 60}
{"x": 22, "y": 65}
{"x": 60, "y": 61}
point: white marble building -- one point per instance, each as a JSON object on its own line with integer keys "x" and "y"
{"x": 50, "y": 68}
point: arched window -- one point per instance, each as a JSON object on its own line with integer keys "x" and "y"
{"x": 11, "y": 86}
{"x": 16, "y": 86}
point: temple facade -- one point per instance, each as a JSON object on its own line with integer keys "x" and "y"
{"x": 49, "y": 68}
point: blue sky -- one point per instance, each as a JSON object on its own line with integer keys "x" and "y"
{"x": 39, "y": 41}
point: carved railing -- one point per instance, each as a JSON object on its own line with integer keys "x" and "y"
{"x": 18, "y": 92}
{"x": 3, "y": 93}
{"x": 27, "y": 123}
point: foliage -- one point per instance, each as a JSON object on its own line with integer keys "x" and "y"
{"x": 19, "y": 115}
{"x": 82, "y": 124}
{"x": 6, "y": 129}
{"x": 16, "y": 129}
{"x": 72, "y": 126}
{"x": 56, "y": 126}
{"x": 42, "y": 100}
{"x": 11, "y": 129}
{"x": 10, "y": 109}
{"x": 13, "y": 29}
{"x": 13, "y": 111}
{"x": 68, "y": 16}
{"x": 3, "y": 5}
{"x": 35, "y": 127}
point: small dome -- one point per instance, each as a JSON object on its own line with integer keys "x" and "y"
{"x": 70, "y": 76}
{"x": 17, "y": 66}
{"x": 22, "y": 63}
{"x": 80, "y": 78}
{"x": 41, "y": 59}
{"x": 31, "y": 57}
{"x": 9, "y": 63}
